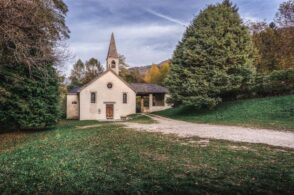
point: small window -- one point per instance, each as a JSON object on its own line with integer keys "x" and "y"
{"x": 109, "y": 85}
{"x": 125, "y": 98}
{"x": 93, "y": 97}
{"x": 74, "y": 102}
{"x": 113, "y": 64}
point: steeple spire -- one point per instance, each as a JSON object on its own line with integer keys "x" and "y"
{"x": 112, "y": 59}
{"x": 112, "y": 52}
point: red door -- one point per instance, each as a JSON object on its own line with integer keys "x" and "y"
{"x": 109, "y": 111}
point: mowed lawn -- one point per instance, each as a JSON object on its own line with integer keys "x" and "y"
{"x": 271, "y": 112}
{"x": 78, "y": 157}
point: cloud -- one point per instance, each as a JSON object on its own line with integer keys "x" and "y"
{"x": 142, "y": 43}
{"x": 145, "y": 31}
{"x": 168, "y": 18}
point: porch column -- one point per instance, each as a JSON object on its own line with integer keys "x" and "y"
{"x": 150, "y": 102}
{"x": 142, "y": 104}
{"x": 164, "y": 100}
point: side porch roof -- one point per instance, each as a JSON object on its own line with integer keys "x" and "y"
{"x": 144, "y": 88}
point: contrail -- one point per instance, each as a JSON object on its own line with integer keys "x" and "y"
{"x": 166, "y": 17}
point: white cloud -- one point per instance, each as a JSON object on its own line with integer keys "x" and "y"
{"x": 142, "y": 44}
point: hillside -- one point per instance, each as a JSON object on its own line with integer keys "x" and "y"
{"x": 270, "y": 112}
{"x": 144, "y": 69}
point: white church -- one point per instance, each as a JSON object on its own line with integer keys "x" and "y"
{"x": 109, "y": 97}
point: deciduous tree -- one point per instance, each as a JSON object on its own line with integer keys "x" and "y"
{"x": 93, "y": 68}
{"x": 77, "y": 74}
{"x": 153, "y": 75}
{"x": 275, "y": 41}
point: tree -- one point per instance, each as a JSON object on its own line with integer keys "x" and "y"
{"x": 157, "y": 73}
{"x": 77, "y": 74}
{"x": 213, "y": 60}
{"x": 93, "y": 68}
{"x": 285, "y": 14}
{"x": 153, "y": 75}
{"x": 82, "y": 73}
{"x": 31, "y": 101}
{"x": 30, "y": 32}
{"x": 122, "y": 61}
{"x": 131, "y": 76}
{"x": 275, "y": 41}
{"x": 164, "y": 69}
{"x": 62, "y": 90}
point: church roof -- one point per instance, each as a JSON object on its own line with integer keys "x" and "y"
{"x": 77, "y": 90}
{"x": 139, "y": 88}
{"x": 144, "y": 88}
{"x": 112, "y": 52}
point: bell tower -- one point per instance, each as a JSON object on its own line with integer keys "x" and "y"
{"x": 112, "y": 59}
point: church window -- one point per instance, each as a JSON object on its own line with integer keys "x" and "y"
{"x": 109, "y": 85}
{"x": 93, "y": 97}
{"x": 125, "y": 98}
{"x": 113, "y": 64}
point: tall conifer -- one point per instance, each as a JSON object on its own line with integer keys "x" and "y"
{"x": 214, "y": 58}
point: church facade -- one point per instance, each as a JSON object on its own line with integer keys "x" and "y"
{"x": 109, "y": 97}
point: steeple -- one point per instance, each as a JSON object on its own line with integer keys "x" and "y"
{"x": 112, "y": 52}
{"x": 112, "y": 59}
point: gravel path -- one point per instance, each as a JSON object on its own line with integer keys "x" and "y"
{"x": 232, "y": 133}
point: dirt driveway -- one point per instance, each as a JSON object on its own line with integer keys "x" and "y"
{"x": 232, "y": 133}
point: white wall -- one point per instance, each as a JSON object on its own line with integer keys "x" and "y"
{"x": 97, "y": 111}
{"x": 72, "y": 110}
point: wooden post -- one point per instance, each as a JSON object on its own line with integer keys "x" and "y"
{"x": 150, "y": 101}
{"x": 142, "y": 104}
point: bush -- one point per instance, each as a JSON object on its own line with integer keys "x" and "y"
{"x": 278, "y": 82}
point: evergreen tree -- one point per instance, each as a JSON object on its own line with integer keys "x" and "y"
{"x": 29, "y": 35}
{"x": 32, "y": 98}
{"x": 214, "y": 58}
{"x": 62, "y": 94}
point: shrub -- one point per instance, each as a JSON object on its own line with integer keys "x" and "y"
{"x": 278, "y": 82}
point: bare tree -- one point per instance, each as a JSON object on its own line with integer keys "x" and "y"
{"x": 30, "y": 31}
{"x": 285, "y": 15}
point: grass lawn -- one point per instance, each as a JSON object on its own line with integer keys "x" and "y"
{"x": 272, "y": 112}
{"x": 140, "y": 118}
{"x": 102, "y": 158}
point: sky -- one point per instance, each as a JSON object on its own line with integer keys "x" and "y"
{"x": 146, "y": 31}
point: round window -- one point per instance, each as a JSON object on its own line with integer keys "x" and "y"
{"x": 109, "y": 85}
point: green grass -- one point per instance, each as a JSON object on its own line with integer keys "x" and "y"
{"x": 140, "y": 118}
{"x": 109, "y": 159}
{"x": 272, "y": 112}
